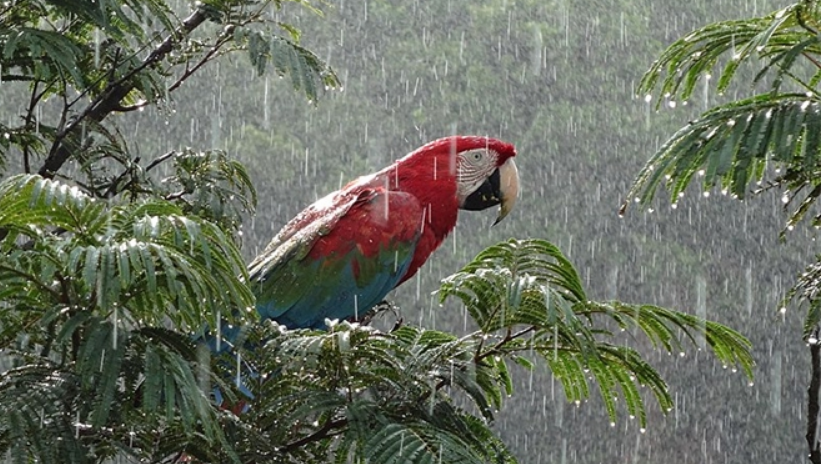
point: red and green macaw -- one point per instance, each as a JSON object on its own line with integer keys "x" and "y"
{"x": 342, "y": 255}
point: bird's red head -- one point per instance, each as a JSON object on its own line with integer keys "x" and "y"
{"x": 476, "y": 172}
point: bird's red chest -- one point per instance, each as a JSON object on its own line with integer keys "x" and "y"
{"x": 439, "y": 221}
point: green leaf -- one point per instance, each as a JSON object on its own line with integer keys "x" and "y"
{"x": 746, "y": 136}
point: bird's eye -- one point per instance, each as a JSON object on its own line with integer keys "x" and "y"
{"x": 476, "y": 155}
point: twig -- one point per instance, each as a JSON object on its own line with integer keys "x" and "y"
{"x": 320, "y": 434}
{"x": 159, "y": 160}
{"x": 802, "y": 22}
{"x": 495, "y": 349}
{"x": 111, "y": 191}
{"x": 224, "y": 38}
{"x": 110, "y": 99}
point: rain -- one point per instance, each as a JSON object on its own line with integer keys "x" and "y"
{"x": 556, "y": 78}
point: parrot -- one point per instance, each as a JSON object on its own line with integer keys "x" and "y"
{"x": 345, "y": 252}
{"x": 342, "y": 255}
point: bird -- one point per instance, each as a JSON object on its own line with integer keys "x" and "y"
{"x": 344, "y": 253}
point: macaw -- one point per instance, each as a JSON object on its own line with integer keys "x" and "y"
{"x": 342, "y": 255}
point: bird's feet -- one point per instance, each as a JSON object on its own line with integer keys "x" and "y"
{"x": 383, "y": 307}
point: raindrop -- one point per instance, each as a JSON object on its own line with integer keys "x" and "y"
{"x": 219, "y": 331}
{"x": 115, "y": 325}
{"x": 775, "y": 381}
{"x": 701, "y": 308}
{"x": 97, "y": 40}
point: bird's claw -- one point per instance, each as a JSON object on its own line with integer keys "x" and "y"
{"x": 380, "y": 308}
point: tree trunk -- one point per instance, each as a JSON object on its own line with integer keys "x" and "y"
{"x": 813, "y": 407}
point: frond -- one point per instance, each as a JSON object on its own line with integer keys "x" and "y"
{"x": 780, "y": 38}
{"x": 149, "y": 260}
{"x": 513, "y": 282}
{"x": 28, "y": 201}
{"x": 380, "y": 395}
{"x": 213, "y": 186}
{"x": 57, "y": 411}
{"x": 526, "y": 296}
{"x": 46, "y": 55}
{"x": 807, "y": 291}
{"x": 401, "y": 443}
{"x": 665, "y": 328}
{"x": 732, "y": 146}
{"x": 308, "y": 73}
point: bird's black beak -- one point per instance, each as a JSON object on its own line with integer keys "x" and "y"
{"x": 501, "y": 187}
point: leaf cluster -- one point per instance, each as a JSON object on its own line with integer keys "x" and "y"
{"x": 87, "y": 287}
{"x": 84, "y": 61}
{"x": 770, "y": 140}
{"x": 357, "y": 394}
{"x": 528, "y": 299}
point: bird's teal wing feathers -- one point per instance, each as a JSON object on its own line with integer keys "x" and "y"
{"x": 340, "y": 261}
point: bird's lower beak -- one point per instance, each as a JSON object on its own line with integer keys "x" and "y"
{"x": 502, "y": 187}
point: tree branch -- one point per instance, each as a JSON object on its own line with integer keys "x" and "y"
{"x": 224, "y": 38}
{"x": 320, "y": 434}
{"x": 109, "y": 100}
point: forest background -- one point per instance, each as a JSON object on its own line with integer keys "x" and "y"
{"x": 558, "y": 79}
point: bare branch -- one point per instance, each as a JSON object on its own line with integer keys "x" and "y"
{"x": 109, "y": 100}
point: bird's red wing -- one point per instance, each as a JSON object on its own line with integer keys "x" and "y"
{"x": 340, "y": 263}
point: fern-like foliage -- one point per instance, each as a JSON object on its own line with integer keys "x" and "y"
{"x": 213, "y": 186}
{"x": 732, "y": 145}
{"x": 357, "y": 394}
{"x": 85, "y": 285}
{"x": 526, "y": 297}
{"x": 308, "y": 73}
{"x": 769, "y": 140}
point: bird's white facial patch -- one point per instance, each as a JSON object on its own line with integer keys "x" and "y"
{"x": 472, "y": 168}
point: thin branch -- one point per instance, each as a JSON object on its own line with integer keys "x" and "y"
{"x": 176, "y": 195}
{"x": 813, "y": 60}
{"x": 110, "y": 99}
{"x": 497, "y": 348}
{"x": 322, "y": 433}
{"x": 799, "y": 16}
{"x": 111, "y": 191}
{"x": 224, "y": 38}
{"x": 29, "y": 115}
{"x": 160, "y": 160}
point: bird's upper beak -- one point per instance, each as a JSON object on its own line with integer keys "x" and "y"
{"x": 501, "y": 187}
